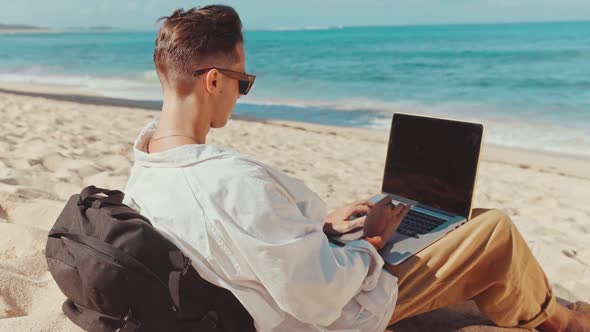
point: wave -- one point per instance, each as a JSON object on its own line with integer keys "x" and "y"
{"x": 108, "y": 86}
{"x": 504, "y": 128}
{"x": 145, "y": 86}
{"x": 149, "y": 76}
{"x": 370, "y": 105}
{"x": 30, "y": 70}
{"x": 525, "y": 134}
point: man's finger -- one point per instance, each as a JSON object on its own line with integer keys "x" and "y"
{"x": 361, "y": 202}
{"x": 360, "y": 209}
{"x": 403, "y": 214}
{"x": 385, "y": 200}
{"x": 398, "y": 209}
{"x": 358, "y": 222}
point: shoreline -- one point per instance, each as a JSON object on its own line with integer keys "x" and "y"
{"x": 544, "y": 161}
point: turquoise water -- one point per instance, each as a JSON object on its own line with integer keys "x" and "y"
{"x": 529, "y": 83}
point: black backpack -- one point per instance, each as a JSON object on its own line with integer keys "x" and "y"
{"x": 120, "y": 274}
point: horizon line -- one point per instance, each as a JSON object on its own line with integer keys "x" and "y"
{"x": 287, "y": 28}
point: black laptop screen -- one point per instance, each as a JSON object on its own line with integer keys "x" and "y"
{"x": 433, "y": 161}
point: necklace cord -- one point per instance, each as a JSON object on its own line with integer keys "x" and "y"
{"x": 165, "y": 136}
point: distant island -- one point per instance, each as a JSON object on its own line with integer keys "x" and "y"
{"x": 102, "y": 28}
{"x": 94, "y": 28}
{"x": 20, "y": 28}
{"x": 24, "y": 28}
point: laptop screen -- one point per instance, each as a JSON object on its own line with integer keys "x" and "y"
{"x": 433, "y": 161}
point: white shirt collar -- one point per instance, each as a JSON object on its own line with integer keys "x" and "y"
{"x": 180, "y": 156}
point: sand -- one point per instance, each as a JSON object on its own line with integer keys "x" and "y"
{"x": 51, "y": 147}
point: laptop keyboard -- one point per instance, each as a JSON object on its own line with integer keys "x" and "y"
{"x": 416, "y": 224}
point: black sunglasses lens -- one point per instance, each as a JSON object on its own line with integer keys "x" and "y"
{"x": 243, "y": 86}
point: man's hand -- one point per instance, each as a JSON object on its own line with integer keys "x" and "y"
{"x": 338, "y": 221}
{"x": 383, "y": 221}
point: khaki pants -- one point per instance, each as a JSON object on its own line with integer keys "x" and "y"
{"x": 485, "y": 260}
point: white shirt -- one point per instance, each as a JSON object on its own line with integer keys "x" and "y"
{"x": 259, "y": 233}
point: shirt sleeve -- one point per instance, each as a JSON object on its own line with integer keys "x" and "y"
{"x": 305, "y": 274}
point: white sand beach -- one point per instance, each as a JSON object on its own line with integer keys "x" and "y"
{"x": 50, "y": 149}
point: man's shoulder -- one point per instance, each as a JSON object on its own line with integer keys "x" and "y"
{"x": 230, "y": 167}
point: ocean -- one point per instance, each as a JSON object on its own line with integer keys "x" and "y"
{"x": 529, "y": 83}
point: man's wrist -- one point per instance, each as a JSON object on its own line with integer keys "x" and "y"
{"x": 375, "y": 241}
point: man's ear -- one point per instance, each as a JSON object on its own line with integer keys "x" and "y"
{"x": 211, "y": 81}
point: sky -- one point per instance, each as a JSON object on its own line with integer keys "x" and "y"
{"x": 268, "y": 14}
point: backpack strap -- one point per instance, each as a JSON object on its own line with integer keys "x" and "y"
{"x": 181, "y": 264}
{"x": 222, "y": 318}
{"x": 88, "y": 197}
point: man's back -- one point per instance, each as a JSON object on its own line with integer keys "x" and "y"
{"x": 258, "y": 232}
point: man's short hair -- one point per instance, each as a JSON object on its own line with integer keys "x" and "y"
{"x": 187, "y": 37}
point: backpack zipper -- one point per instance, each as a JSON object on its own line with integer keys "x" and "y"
{"x": 110, "y": 259}
{"x": 104, "y": 257}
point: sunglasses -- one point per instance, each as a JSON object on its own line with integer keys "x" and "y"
{"x": 245, "y": 81}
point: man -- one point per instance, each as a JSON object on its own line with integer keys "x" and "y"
{"x": 261, "y": 234}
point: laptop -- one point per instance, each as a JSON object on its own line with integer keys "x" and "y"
{"x": 431, "y": 166}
